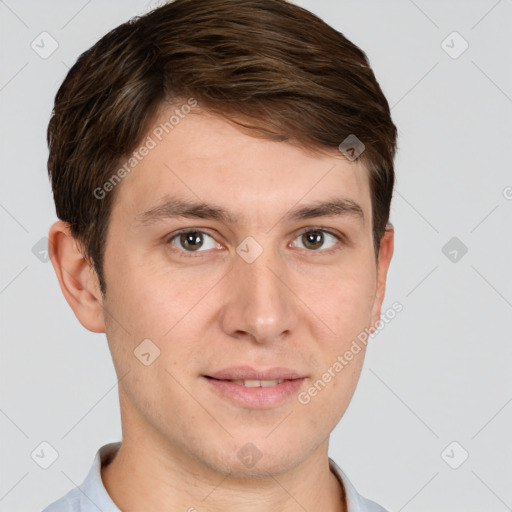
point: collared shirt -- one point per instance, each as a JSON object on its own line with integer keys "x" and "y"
{"x": 92, "y": 496}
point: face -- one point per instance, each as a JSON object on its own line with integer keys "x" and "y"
{"x": 251, "y": 283}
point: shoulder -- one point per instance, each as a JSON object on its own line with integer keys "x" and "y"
{"x": 371, "y": 506}
{"x": 91, "y": 495}
{"x": 355, "y": 502}
{"x": 68, "y": 503}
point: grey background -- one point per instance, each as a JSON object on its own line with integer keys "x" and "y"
{"x": 438, "y": 373}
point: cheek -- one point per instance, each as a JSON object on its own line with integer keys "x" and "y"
{"x": 154, "y": 301}
{"x": 343, "y": 297}
{"x": 151, "y": 300}
{"x": 325, "y": 401}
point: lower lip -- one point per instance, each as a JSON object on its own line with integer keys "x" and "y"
{"x": 259, "y": 397}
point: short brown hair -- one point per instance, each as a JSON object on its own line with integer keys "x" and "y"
{"x": 270, "y": 63}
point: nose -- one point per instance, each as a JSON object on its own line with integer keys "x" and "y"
{"x": 259, "y": 301}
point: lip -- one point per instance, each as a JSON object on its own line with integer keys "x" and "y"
{"x": 255, "y": 397}
{"x": 250, "y": 373}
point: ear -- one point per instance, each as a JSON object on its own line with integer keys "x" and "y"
{"x": 384, "y": 259}
{"x": 77, "y": 278}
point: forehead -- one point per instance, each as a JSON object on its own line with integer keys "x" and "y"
{"x": 205, "y": 158}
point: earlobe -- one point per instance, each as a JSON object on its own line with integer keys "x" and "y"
{"x": 77, "y": 279}
{"x": 384, "y": 260}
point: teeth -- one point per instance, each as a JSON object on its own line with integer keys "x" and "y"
{"x": 257, "y": 383}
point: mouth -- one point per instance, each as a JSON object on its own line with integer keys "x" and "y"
{"x": 248, "y": 374}
{"x": 253, "y": 389}
{"x": 252, "y": 383}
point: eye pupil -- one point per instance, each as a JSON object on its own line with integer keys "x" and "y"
{"x": 313, "y": 239}
{"x": 192, "y": 240}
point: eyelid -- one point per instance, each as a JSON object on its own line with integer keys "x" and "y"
{"x": 339, "y": 236}
{"x": 175, "y": 234}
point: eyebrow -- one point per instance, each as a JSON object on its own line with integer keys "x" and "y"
{"x": 173, "y": 207}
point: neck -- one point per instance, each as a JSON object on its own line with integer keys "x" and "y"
{"x": 145, "y": 477}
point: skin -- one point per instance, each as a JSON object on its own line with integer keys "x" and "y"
{"x": 294, "y": 306}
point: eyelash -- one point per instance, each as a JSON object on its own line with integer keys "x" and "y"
{"x": 194, "y": 254}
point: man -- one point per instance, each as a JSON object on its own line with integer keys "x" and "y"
{"x": 222, "y": 171}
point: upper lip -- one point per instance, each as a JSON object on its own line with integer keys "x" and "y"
{"x": 250, "y": 373}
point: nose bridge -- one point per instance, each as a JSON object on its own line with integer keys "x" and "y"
{"x": 260, "y": 278}
{"x": 260, "y": 305}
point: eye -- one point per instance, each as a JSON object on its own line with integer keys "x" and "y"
{"x": 192, "y": 241}
{"x": 313, "y": 239}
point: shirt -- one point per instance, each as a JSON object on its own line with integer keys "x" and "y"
{"x": 92, "y": 496}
